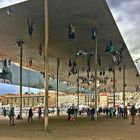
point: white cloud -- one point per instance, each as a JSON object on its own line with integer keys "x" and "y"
{"x": 126, "y": 14}
{"x": 6, "y": 3}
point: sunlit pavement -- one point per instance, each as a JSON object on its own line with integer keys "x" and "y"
{"x": 79, "y": 129}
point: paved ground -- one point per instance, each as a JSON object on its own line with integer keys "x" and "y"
{"x": 80, "y": 129}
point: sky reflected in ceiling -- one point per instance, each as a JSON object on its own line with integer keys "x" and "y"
{"x": 126, "y": 14}
{"x": 6, "y": 3}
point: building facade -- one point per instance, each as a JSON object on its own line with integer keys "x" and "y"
{"x": 32, "y": 100}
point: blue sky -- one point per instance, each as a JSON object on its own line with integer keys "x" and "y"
{"x": 127, "y": 16}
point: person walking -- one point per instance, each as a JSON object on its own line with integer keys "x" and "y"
{"x": 133, "y": 114}
{"x": 30, "y": 115}
{"x": 92, "y": 113}
{"x": 39, "y": 112}
{"x": 110, "y": 112}
{"x": 107, "y": 111}
{"x": 11, "y": 117}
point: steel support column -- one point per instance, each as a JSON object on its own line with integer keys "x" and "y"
{"x": 124, "y": 85}
{"x": 46, "y": 63}
{"x": 57, "y": 74}
{"x": 78, "y": 89}
{"x": 96, "y": 99}
{"x": 114, "y": 87}
{"x": 20, "y": 43}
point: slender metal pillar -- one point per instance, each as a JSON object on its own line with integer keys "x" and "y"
{"x": 96, "y": 99}
{"x": 39, "y": 83}
{"x": 46, "y": 66}
{"x": 28, "y": 81}
{"x": 114, "y": 87}
{"x": 78, "y": 89}
{"x": 20, "y": 43}
{"x": 21, "y": 81}
{"x": 28, "y": 86}
{"x": 124, "y": 85}
{"x": 88, "y": 99}
{"x": 4, "y": 80}
{"x": 57, "y": 98}
{"x": 11, "y": 102}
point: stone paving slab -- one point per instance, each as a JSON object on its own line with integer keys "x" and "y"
{"x": 79, "y": 129}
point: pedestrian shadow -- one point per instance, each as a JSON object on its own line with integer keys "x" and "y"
{"x": 48, "y": 131}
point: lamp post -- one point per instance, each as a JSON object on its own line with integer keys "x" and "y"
{"x": 78, "y": 89}
{"x": 58, "y": 64}
{"x": 88, "y": 99}
{"x": 75, "y": 70}
{"x": 20, "y": 43}
{"x": 39, "y": 83}
{"x": 96, "y": 99}
{"x": 28, "y": 85}
{"x": 94, "y": 37}
{"x": 124, "y": 85}
{"x": 114, "y": 87}
{"x": 137, "y": 75}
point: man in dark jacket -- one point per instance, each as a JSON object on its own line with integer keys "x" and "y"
{"x": 133, "y": 114}
{"x": 11, "y": 116}
{"x": 92, "y": 113}
{"x": 39, "y": 112}
{"x": 69, "y": 114}
{"x": 30, "y": 115}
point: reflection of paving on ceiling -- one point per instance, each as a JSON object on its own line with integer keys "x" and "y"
{"x": 33, "y": 79}
{"x": 62, "y": 13}
{"x": 66, "y": 87}
{"x": 30, "y": 78}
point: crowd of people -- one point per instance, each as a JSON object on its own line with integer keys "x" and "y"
{"x": 11, "y": 115}
{"x": 73, "y": 112}
{"x": 110, "y": 112}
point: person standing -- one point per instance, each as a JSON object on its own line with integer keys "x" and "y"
{"x": 125, "y": 112}
{"x": 133, "y": 114}
{"x": 58, "y": 111}
{"x": 4, "y": 112}
{"x": 139, "y": 112}
{"x": 30, "y": 115}
{"x": 69, "y": 114}
{"x": 72, "y": 113}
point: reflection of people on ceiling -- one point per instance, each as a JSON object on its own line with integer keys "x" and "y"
{"x": 71, "y": 31}
{"x": 30, "y": 27}
{"x": 93, "y": 33}
{"x": 40, "y": 49}
{"x": 9, "y": 11}
{"x": 29, "y": 62}
{"x": 5, "y": 73}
